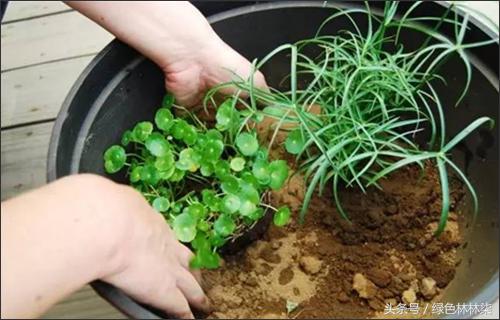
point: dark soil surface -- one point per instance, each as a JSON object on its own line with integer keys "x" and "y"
{"x": 331, "y": 268}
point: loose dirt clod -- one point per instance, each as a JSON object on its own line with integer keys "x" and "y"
{"x": 428, "y": 288}
{"x": 380, "y": 277}
{"x": 311, "y": 265}
{"x": 409, "y": 296}
{"x": 343, "y": 297}
{"x": 365, "y": 288}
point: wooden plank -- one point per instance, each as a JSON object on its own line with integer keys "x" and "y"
{"x": 50, "y": 38}
{"x": 36, "y": 93}
{"x": 17, "y": 10}
{"x": 24, "y": 158}
{"x": 83, "y": 304}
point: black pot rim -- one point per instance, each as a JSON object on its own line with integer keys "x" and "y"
{"x": 116, "y": 297}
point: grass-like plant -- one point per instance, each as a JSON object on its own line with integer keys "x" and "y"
{"x": 367, "y": 98}
{"x": 209, "y": 184}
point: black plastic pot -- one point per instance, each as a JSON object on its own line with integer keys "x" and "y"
{"x": 120, "y": 87}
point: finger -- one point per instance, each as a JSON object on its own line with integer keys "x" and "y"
{"x": 176, "y": 304}
{"x": 192, "y": 290}
{"x": 185, "y": 256}
{"x": 259, "y": 82}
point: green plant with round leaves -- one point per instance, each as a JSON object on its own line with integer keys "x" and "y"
{"x": 202, "y": 180}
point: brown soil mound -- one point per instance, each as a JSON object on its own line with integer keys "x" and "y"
{"x": 329, "y": 267}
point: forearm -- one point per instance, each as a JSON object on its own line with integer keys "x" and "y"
{"x": 164, "y": 31}
{"x": 49, "y": 250}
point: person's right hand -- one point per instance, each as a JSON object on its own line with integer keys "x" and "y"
{"x": 154, "y": 266}
{"x": 59, "y": 237}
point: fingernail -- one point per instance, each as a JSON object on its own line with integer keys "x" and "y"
{"x": 187, "y": 315}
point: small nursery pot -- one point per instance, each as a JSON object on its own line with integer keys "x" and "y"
{"x": 120, "y": 88}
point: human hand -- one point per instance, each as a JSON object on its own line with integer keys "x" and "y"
{"x": 176, "y": 36}
{"x": 154, "y": 265}
{"x": 86, "y": 227}
{"x": 204, "y": 65}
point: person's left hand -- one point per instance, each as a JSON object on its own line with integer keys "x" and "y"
{"x": 176, "y": 36}
{"x": 191, "y": 75}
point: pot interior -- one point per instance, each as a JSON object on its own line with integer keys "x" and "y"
{"x": 120, "y": 88}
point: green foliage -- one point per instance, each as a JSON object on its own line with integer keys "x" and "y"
{"x": 247, "y": 143}
{"x": 373, "y": 95}
{"x": 114, "y": 159}
{"x": 281, "y": 216}
{"x": 167, "y": 159}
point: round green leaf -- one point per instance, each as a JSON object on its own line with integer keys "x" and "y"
{"x": 247, "y": 143}
{"x": 114, "y": 159}
{"x": 126, "y": 138}
{"x": 150, "y": 175}
{"x": 210, "y": 199}
{"x": 201, "y": 141}
{"x": 247, "y": 207}
{"x": 262, "y": 154}
{"x": 208, "y": 196}
{"x": 168, "y": 100}
{"x": 142, "y": 130}
{"x": 189, "y": 160}
{"x": 177, "y": 207}
{"x": 200, "y": 241}
{"x": 213, "y": 134}
{"x": 161, "y": 204}
{"x": 225, "y": 115}
{"x": 184, "y": 227}
{"x": 197, "y": 210}
{"x": 237, "y": 164}
{"x": 167, "y": 174}
{"x": 135, "y": 174}
{"x": 278, "y": 170}
{"x": 179, "y": 129}
{"x": 190, "y": 135}
{"x": 294, "y": 142}
{"x": 250, "y": 178}
{"x": 230, "y": 203}
{"x": 282, "y": 216}
{"x": 224, "y": 225}
{"x": 248, "y": 191}
{"x": 164, "y": 119}
{"x": 221, "y": 168}
{"x": 205, "y": 258}
{"x": 177, "y": 175}
{"x": 203, "y": 225}
{"x": 256, "y": 215}
{"x": 207, "y": 169}
{"x": 217, "y": 240}
{"x": 157, "y": 145}
{"x": 230, "y": 184}
{"x": 261, "y": 172}
{"x": 166, "y": 162}
{"x": 212, "y": 150}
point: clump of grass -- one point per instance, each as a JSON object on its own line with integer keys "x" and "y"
{"x": 373, "y": 95}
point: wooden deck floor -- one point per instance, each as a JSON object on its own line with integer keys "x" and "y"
{"x": 45, "y": 45}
